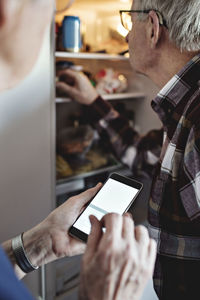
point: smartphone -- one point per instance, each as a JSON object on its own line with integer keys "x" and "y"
{"x": 116, "y": 195}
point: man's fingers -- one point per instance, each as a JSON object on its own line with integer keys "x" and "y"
{"x": 94, "y": 236}
{"x": 68, "y": 72}
{"x": 65, "y": 89}
{"x": 152, "y": 251}
{"x": 141, "y": 235}
{"x": 113, "y": 224}
{"x": 62, "y": 85}
{"x": 128, "y": 214}
{"x": 128, "y": 227}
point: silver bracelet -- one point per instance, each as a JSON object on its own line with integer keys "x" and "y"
{"x": 21, "y": 258}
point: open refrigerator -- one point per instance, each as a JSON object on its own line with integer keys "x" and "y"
{"x": 84, "y": 158}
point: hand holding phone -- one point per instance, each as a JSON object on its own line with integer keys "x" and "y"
{"x": 116, "y": 195}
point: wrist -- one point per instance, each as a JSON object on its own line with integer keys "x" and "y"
{"x": 37, "y": 245}
{"x": 91, "y": 98}
{"x": 7, "y": 246}
{"x": 20, "y": 255}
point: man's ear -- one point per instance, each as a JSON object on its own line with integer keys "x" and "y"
{"x": 153, "y": 29}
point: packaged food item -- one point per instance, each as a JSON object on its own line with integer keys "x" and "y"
{"x": 63, "y": 65}
{"x": 110, "y": 81}
{"x": 63, "y": 169}
{"x": 75, "y": 141}
{"x": 71, "y": 33}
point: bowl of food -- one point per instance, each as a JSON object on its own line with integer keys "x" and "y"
{"x": 75, "y": 142}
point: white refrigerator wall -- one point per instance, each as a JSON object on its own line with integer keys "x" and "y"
{"x": 27, "y": 151}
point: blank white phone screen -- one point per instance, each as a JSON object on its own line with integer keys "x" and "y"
{"x": 113, "y": 197}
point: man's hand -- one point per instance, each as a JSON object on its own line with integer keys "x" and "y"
{"x": 118, "y": 263}
{"x": 50, "y": 239}
{"x": 76, "y": 86}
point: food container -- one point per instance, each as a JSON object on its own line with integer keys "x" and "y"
{"x": 71, "y": 33}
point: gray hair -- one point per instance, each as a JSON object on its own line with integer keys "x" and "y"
{"x": 182, "y": 18}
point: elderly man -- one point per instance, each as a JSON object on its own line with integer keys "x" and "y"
{"x": 117, "y": 263}
{"x": 164, "y": 44}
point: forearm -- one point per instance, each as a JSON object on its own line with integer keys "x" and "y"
{"x": 50, "y": 240}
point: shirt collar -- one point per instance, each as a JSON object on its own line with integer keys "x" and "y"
{"x": 177, "y": 87}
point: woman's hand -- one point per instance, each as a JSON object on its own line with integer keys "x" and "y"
{"x": 50, "y": 239}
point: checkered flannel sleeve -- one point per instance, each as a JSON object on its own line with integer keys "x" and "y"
{"x": 138, "y": 152}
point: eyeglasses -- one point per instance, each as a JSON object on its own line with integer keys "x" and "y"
{"x": 126, "y": 20}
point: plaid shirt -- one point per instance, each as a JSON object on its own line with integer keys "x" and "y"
{"x": 174, "y": 206}
{"x": 174, "y": 209}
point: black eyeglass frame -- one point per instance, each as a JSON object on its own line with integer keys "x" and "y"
{"x": 162, "y": 21}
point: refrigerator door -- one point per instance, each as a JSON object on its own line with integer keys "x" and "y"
{"x": 27, "y": 151}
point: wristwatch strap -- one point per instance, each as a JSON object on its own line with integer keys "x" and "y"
{"x": 20, "y": 255}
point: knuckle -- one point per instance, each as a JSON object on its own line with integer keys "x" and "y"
{"x": 100, "y": 259}
{"x": 129, "y": 252}
{"x": 104, "y": 254}
{"x": 132, "y": 258}
{"x": 113, "y": 216}
{"x": 112, "y": 253}
{"x": 111, "y": 243}
{"x": 143, "y": 230}
{"x": 128, "y": 221}
{"x": 146, "y": 271}
{"x": 142, "y": 233}
{"x": 135, "y": 263}
{"x": 128, "y": 215}
{"x": 153, "y": 244}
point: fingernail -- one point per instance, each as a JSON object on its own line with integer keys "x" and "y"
{"x": 129, "y": 215}
{"x": 91, "y": 218}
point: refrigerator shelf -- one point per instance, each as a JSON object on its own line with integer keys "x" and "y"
{"x": 82, "y": 55}
{"x": 67, "y": 183}
{"x": 121, "y": 96}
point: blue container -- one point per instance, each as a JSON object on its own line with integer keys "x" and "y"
{"x": 71, "y": 33}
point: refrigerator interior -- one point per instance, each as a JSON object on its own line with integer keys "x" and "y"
{"x": 103, "y": 41}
